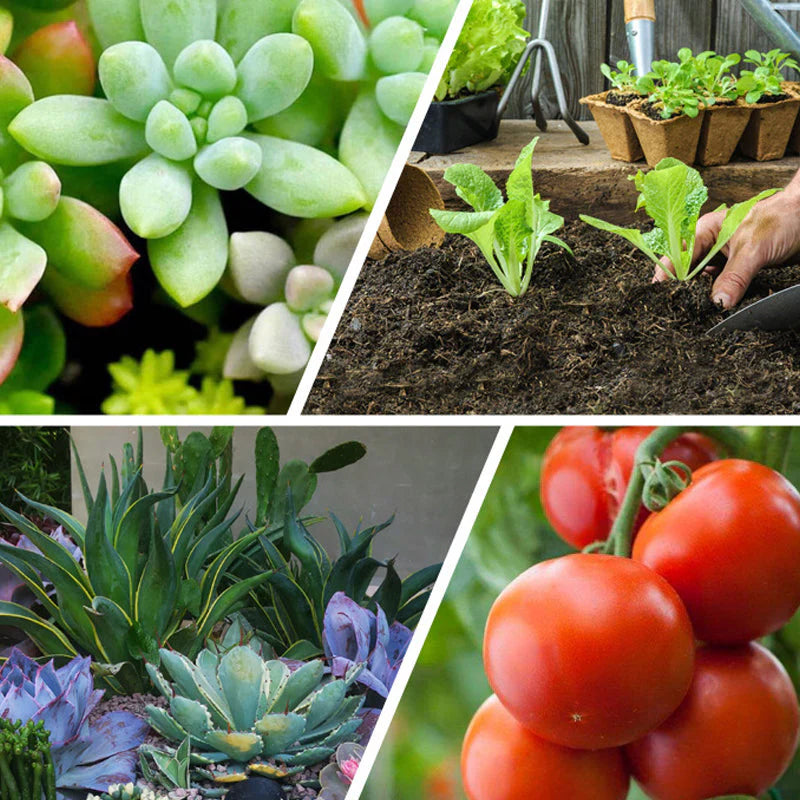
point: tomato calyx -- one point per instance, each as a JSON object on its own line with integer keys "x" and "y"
{"x": 663, "y": 480}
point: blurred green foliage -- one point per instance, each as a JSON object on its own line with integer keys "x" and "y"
{"x": 420, "y": 757}
{"x": 35, "y": 462}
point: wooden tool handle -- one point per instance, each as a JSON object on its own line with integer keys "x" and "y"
{"x": 640, "y": 9}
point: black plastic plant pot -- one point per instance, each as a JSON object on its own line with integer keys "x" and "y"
{"x": 454, "y": 124}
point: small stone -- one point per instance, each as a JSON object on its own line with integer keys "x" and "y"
{"x": 618, "y": 349}
{"x": 256, "y": 788}
{"x": 355, "y": 325}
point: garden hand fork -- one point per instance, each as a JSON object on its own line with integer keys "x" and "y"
{"x": 539, "y": 45}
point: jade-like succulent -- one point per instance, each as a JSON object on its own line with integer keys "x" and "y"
{"x": 238, "y": 706}
{"x": 262, "y": 269}
{"x": 77, "y": 255}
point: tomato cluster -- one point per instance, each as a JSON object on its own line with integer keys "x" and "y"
{"x": 605, "y": 667}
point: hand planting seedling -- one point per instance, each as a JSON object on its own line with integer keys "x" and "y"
{"x": 672, "y": 195}
{"x": 510, "y": 233}
{"x": 300, "y": 105}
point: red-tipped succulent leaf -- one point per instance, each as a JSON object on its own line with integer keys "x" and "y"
{"x": 11, "y": 334}
{"x": 95, "y": 308}
{"x": 58, "y": 60}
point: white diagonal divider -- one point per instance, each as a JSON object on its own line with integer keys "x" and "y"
{"x": 381, "y": 204}
{"x": 431, "y": 609}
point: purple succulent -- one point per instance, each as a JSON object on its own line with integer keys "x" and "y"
{"x": 86, "y": 756}
{"x": 354, "y": 635}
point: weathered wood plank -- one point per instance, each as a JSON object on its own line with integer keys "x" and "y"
{"x": 581, "y": 179}
{"x": 577, "y": 30}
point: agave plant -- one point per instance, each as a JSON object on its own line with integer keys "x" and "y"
{"x": 240, "y": 707}
{"x": 81, "y": 755}
{"x": 150, "y": 575}
{"x": 354, "y": 636}
{"x": 335, "y": 779}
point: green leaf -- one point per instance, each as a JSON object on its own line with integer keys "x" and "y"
{"x": 303, "y": 482}
{"x": 134, "y": 531}
{"x": 474, "y": 186}
{"x": 172, "y": 25}
{"x": 520, "y": 182}
{"x": 339, "y": 457}
{"x": 302, "y": 651}
{"x": 633, "y": 235}
{"x": 21, "y": 268}
{"x": 169, "y": 132}
{"x": 77, "y": 131}
{"x": 267, "y": 459}
{"x": 157, "y": 591}
{"x": 273, "y": 74}
{"x": 43, "y": 353}
{"x": 388, "y": 594}
{"x": 420, "y": 580}
{"x": 47, "y": 637}
{"x": 206, "y": 68}
{"x": 302, "y": 181}
{"x": 108, "y": 574}
{"x": 155, "y": 197}
{"x": 82, "y": 244}
{"x": 228, "y": 164}
{"x": 116, "y": 21}
{"x": 190, "y": 262}
{"x": 12, "y": 330}
{"x": 463, "y": 222}
{"x": 111, "y": 624}
{"x": 243, "y": 22}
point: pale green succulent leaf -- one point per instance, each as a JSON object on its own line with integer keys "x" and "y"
{"x": 22, "y": 264}
{"x": 229, "y": 164}
{"x": 227, "y": 118}
{"x": 155, "y": 197}
{"x": 116, "y": 21}
{"x": 134, "y": 78}
{"x": 192, "y": 716}
{"x": 77, "y": 131}
{"x": 161, "y": 721}
{"x": 169, "y": 132}
{"x": 172, "y": 25}
{"x": 397, "y": 95}
{"x": 31, "y": 193}
{"x": 206, "y": 67}
{"x": 243, "y": 22}
{"x": 273, "y": 74}
{"x": 299, "y": 686}
{"x": 324, "y": 703}
{"x": 301, "y": 181}
{"x": 305, "y": 758}
{"x": 237, "y": 745}
{"x": 190, "y": 262}
{"x": 278, "y": 344}
{"x": 16, "y": 92}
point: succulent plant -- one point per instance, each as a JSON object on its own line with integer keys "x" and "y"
{"x": 150, "y": 574}
{"x": 335, "y": 779}
{"x": 84, "y": 756}
{"x": 354, "y": 636}
{"x": 49, "y": 239}
{"x": 125, "y": 791}
{"x": 262, "y": 269}
{"x": 238, "y": 706}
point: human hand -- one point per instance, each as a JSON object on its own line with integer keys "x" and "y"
{"x": 769, "y": 235}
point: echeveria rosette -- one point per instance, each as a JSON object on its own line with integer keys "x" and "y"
{"x": 336, "y": 777}
{"x": 277, "y": 343}
{"x": 86, "y": 756}
{"x": 183, "y": 106}
{"x": 353, "y": 636}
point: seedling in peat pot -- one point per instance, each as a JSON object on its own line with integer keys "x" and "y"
{"x": 766, "y": 79}
{"x": 509, "y": 234}
{"x": 623, "y": 78}
{"x": 672, "y": 195}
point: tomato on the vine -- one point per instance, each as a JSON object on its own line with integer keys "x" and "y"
{"x": 589, "y": 651}
{"x": 501, "y": 760}
{"x": 735, "y": 733}
{"x": 586, "y": 471}
{"x": 730, "y": 545}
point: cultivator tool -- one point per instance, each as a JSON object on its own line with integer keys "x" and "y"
{"x": 538, "y": 47}
{"x": 768, "y": 17}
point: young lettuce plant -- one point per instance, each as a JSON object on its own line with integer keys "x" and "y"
{"x": 713, "y": 76}
{"x": 672, "y": 195}
{"x": 509, "y": 234}
{"x": 623, "y": 78}
{"x": 766, "y": 79}
{"x": 671, "y": 87}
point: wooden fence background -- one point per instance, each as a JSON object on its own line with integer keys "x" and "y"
{"x": 585, "y": 33}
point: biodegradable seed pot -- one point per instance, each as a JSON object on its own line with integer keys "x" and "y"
{"x": 721, "y": 131}
{"x": 772, "y": 121}
{"x": 676, "y": 137}
{"x": 615, "y": 125}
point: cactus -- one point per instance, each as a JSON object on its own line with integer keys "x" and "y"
{"x": 240, "y": 707}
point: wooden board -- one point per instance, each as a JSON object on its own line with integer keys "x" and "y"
{"x": 580, "y": 179}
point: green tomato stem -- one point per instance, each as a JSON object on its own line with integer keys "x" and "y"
{"x": 620, "y": 539}
{"x": 771, "y": 446}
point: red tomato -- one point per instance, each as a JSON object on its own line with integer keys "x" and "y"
{"x": 586, "y": 472}
{"x": 501, "y": 760}
{"x": 730, "y": 545}
{"x": 735, "y": 733}
{"x": 589, "y": 651}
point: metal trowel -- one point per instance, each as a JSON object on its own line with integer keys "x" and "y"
{"x": 778, "y": 312}
{"x": 640, "y": 23}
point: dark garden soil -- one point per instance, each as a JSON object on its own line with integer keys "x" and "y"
{"x": 433, "y": 332}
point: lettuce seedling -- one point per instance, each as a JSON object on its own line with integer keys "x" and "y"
{"x": 671, "y": 87}
{"x": 713, "y": 76}
{"x": 672, "y": 195}
{"x": 509, "y": 234}
{"x": 623, "y": 78}
{"x": 767, "y": 77}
